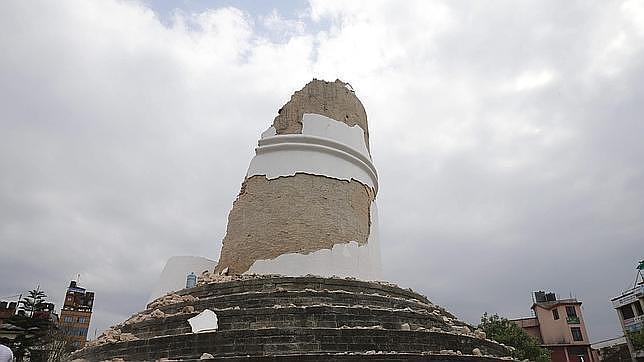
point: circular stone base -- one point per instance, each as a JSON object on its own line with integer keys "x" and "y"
{"x": 295, "y": 319}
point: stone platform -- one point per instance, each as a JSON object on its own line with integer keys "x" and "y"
{"x": 277, "y": 318}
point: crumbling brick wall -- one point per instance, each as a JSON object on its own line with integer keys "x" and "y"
{"x": 300, "y": 213}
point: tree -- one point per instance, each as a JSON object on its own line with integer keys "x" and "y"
{"x": 637, "y": 339}
{"x": 504, "y": 331}
{"x": 40, "y": 337}
{"x": 34, "y": 302}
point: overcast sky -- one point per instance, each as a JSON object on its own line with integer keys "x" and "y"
{"x": 508, "y": 135}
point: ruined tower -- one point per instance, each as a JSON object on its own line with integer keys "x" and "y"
{"x": 295, "y": 278}
{"x": 307, "y": 204}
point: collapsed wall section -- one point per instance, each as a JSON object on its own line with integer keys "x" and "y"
{"x": 336, "y": 100}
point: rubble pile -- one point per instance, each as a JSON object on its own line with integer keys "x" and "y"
{"x": 112, "y": 335}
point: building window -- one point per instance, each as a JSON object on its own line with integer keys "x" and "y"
{"x": 627, "y": 311}
{"x": 68, "y": 319}
{"x": 576, "y": 334}
{"x": 638, "y": 307}
{"x": 555, "y": 314}
{"x": 570, "y": 311}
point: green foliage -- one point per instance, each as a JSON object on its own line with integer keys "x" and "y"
{"x": 507, "y": 332}
{"x": 34, "y": 302}
{"x": 637, "y": 339}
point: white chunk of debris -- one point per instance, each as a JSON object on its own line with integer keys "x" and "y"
{"x": 405, "y": 327}
{"x": 361, "y": 327}
{"x": 477, "y": 352}
{"x": 207, "y": 355}
{"x": 205, "y": 321}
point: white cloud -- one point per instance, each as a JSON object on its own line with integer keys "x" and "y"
{"x": 507, "y": 140}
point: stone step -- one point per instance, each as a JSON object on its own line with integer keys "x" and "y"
{"x": 356, "y": 357}
{"x": 301, "y": 317}
{"x": 273, "y": 283}
{"x": 290, "y": 341}
{"x": 258, "y": 299}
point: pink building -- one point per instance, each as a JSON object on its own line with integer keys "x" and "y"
{"x": 559, "y": 326}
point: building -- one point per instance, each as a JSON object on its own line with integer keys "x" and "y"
{"x": 47, "y": 311}
{"x": 76, "y": 313}
{"x": 559, "y": 326}
{"x": 630, "y": 311}
{"x": 612, "y": 350}
{"x": 7, "y": 309}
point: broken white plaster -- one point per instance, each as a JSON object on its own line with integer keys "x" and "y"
{"x": 205, "y": 321}
{"x": 173, "y": 276}
{"x": 326, "y": 127}
{"x": 270, "y": 132}
{"x": 344, "y": 259}
{"x": 326, "y": 147}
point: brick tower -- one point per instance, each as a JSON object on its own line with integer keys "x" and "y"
{"x": 307, "y": 204}
{"x": 297, "y": 274}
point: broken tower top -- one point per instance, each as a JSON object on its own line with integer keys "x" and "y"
{"x": 336, "y": 100}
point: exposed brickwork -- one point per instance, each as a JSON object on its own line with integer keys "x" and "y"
{"x": 331, "y": 99}
{"x": 301, "y": 213}
{"x": 295, "y": 214}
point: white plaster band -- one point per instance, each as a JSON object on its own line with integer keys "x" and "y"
{"x": 312, "y": 144}
{"x": 305, "y": 138}
{"x": 325, "y": 127}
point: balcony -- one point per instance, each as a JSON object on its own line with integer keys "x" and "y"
{"x": 572, "y": 320}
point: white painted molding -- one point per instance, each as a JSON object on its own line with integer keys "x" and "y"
{"x": 326, "y": 148}
{"x": 323, "y": 126}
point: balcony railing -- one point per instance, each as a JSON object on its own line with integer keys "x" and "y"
{"x": 572, "y": 320}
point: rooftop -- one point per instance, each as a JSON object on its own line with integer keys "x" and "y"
{"x": 554, "y": 303}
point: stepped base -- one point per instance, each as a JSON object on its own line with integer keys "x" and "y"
{"x": 296, "y": 319}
